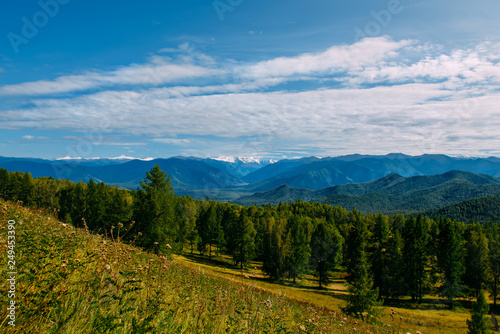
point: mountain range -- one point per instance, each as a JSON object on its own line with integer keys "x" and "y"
{"x": 390, "y": 194}
{"x": 370, "y": 183}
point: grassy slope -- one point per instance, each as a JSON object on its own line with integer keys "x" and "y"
{"x": 432, "y": 316}
{"x": 70, "y": 281}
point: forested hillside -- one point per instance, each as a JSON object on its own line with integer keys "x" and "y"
{"x": 394, "y": 256}
{"x": 390, "y": 194}
{"x": 481, "y": 210}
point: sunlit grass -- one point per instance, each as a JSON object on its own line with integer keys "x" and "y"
{"x": 432, "y": 316}
{"x": 70, "y": 281}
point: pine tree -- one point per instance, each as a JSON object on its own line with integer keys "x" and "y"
{"x": 276, "y": 248}
{"x": 4, "y": 183}
{"x": 300, "y": 250}
{"x": 96, "y": 200}
{"x": 478, "y": 324}
{"x": 494, "y": 259}
{"x": 185, "y": 231}
{"x": 357, "y": 239}
{"x": 362, "y": 295}
{"x": 381, "y": 257}
{"x": 450, "y": 259}
{"x": 326, "y": 250}
{"x": 245, "y": 249}
{"x": 153, "y": 208}
{"x": 476, "y": 260}
{"x": 416, "y": 236}
{"x": 395, "y": 279}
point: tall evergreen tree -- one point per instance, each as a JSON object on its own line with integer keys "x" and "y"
{"x": 185, "y": 213}
{"x": 416, "y": 236}
{"x": 494, "y": 259}
{"x": 362, "y": 294}
{"x": 476, "y": 259}
{"x": 4, "y": 183}
{"x": 300, "y": 250}
{"x": 245, "y": 246}
{"x": 326, "y": 250}
{"x": 357, "y": 239}
{"x": 450, "y": 259}
{"x": 96, "y": 202}
{"x": 380, "y": 256}
{"x": 478, "y": 324}
{"x": 276, "y": 248}
{"x": 154, "y": 208}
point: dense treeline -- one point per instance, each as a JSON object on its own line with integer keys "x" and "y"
{"x": 384, "y": 257}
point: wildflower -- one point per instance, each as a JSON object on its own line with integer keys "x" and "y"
{"x": 107, "y": 267}
{"x": 120, "y": 225}
{"x": 168, "y": 246}
{"x": 156, "y": 243}
{"x": 63, "y": 265}
{"x": 139, "y": 234}
{"x": 112, "y": 227}
{"x": 302, "y": 328}
{"x": 77, "y": 260}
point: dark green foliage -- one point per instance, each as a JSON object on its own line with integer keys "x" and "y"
{"x": 154, "y": 209}
{"x": 356, "y": 242}
{"x": 300, "y": 250}
{"x": 394, "y": 194}
{"x": 415, "y": 258}
{"x": 476, "y": 259}
{"x": 478, "y": 324}
{"x": 450, "y": 258}
{"x": 186, "y": 232}
{"x": 326, "y": 250}
{"x": 210, "y": 228}
{"x": 276, "y": 248}
{"x": 494, "y": 259}
{"x": 482, "y": 209}
{"x": 381, "y": 257}
{"x": 362, "y": 295}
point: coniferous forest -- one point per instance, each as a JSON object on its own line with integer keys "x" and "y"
{"x": 384, "y": 257}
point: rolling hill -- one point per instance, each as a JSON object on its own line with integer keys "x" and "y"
{"x": 390, "y": 194}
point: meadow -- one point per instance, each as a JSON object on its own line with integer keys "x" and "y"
{"x": 70, "y": 280}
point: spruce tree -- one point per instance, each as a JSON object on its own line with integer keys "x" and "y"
{"x": 494, "y": 259}
{"x": 326, "y": 250}
{"x": 476, "y": 260}
{"x": 381, "y": 256}
{"x": 362, "y": 295}
{"x": 450, "y": 259}
{"x": 276, "y": 248}
{"x": 300, "y": 250}
{"x": 478, "y": 324}
{"x": 154, "y": 208}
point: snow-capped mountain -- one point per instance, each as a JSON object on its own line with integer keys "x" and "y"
{"x": 246, "y": 160}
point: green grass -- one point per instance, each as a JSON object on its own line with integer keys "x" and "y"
{"x": 432, "y": 316}
{"x": 71, "y": 281}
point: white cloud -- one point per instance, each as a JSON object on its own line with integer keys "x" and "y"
{"x": 368, "y": 51}
{"x": 393, "y": 96}
{"x": 30, "y": 137}
{"x": 172, "y": 141}
{"x": 158, "y": 71}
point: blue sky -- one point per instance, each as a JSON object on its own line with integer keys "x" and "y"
{"x": 278, "y": 79}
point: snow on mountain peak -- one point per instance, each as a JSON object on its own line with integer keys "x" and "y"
{"x": 245, "y": 160}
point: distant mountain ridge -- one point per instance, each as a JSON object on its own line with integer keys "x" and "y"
{"x": 228, "y": 178}
{"x": 392, "y": 193}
